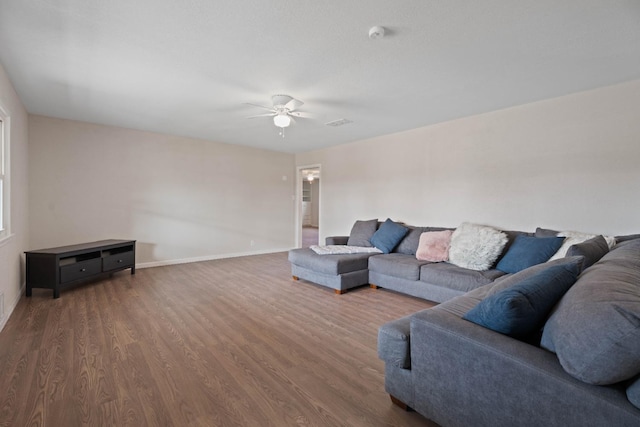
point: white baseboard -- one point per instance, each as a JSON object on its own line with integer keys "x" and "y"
{"x": 207, "y": 258}
{"x": 12, "y": 306}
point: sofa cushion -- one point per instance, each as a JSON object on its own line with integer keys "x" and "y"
{"x": 527, "y": 251}
{"x": 329, "y": 264}
{"x": 626, "y": 237}
{"x": 336, "y": 240}
{"x": 633, "y": 393}
{"x": 575, "y": 237}
{"x": 592, "y": 250}
{"x": 397, "y": 265}
{"x": 545, "y": 232}
{"x": 476, "y": 246}
{"x": 361, "y": 233}
{"x": 521, "y": 309}
{"x": 595, "y": 329}
{"x": 571, "y": 238}
{"x": 457, "y": 278}
{"x": 409, "y": 244}
{"x": 434, "y": 246}
{"x": 388, "y": 235}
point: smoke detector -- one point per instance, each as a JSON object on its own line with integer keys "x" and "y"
{"x": 376, "y": 32}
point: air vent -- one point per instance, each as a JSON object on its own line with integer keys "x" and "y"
{"x": 338, "y": 122}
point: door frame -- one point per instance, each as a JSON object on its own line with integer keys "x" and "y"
{"x": 299, "y": 179}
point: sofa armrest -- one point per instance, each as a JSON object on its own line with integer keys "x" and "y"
{"x": 336, "y": 240}
{"x": 465, "y": 374}
{"x": 393, "y": 342}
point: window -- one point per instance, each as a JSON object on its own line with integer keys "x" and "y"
{"x": 4, "y": 175}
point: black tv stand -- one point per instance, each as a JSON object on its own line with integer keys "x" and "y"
{"x": 65, "y": 266}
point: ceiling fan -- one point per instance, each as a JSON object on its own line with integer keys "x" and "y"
{"x": 283, "y": 111}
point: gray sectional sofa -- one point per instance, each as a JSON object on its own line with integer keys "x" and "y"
{"x": 580, "y": 366}
{"x": 398, "y": 271}
{"x": 458, "y": 373}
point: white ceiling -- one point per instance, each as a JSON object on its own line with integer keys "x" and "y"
{"x": 187, "y": 67}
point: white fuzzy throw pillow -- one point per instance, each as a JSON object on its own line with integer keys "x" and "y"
{"x": 476, "y": 247}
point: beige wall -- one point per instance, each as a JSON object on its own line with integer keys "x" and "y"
{"x": 566, "y": 163}
{"x": 11, "y": 250}
{"x": 181, "y": 198}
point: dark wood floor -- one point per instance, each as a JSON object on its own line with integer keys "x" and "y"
{"x": 227, "y": 342}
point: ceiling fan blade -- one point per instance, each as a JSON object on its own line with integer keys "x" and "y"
{"x": 262, "y": 115}
{"x": 301, "y": 114}
{"x": 259, "y": 106}
{"x": 293, "y": 104}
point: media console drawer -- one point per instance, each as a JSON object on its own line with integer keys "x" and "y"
{"x": 117, "y": 261}
{"x": 56, "y": 268}
{"x": 79, "y": 270}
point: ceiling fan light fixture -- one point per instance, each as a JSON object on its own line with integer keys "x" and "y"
{"x": 282, "y": 120}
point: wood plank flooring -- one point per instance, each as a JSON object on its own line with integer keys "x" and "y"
{"x": 233, "y": 342}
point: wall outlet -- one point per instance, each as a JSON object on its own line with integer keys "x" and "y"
{"x": 252, "y": 243}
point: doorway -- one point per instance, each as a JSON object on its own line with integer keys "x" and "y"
{"x": 308, "y": 224}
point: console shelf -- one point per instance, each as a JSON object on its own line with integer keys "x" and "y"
{"x": 57, "y": 268}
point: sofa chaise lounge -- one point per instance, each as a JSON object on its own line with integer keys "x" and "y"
{"x": 338, "y": 272}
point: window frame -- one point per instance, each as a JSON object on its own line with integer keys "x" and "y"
{"x": 5, "y": 175}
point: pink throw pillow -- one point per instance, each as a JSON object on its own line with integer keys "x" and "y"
{"x": 434, "y": 246}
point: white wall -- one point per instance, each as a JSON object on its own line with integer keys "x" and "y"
{"x": 565, "y": 163}
{"x": 180, "y": 198}
{"x": 11, "y": 250}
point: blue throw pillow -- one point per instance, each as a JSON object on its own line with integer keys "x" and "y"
{"x": 526, "y": 251}
{"x": 388, "y": 236}
{"x": 522, "y": 309}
